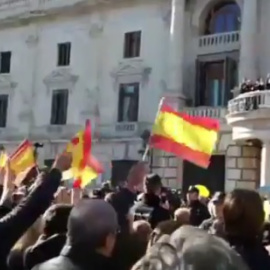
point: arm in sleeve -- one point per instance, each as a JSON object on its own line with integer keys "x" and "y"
{"x": 14, "y": 224}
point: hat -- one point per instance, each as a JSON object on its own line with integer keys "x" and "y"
{"x": 90, "y": 220}
{"x": 191, "y": 248}
{"x": 218, "y": 197}
{"x": 193, "y": 189}
{"x": 153, "y": 180}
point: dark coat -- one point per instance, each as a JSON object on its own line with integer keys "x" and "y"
{"x": 253, "y": 253}
{"x": 81, "y": 259}
{"x": 44, "y": 250}
{"x": 16, "y": 223}
{"x": 156, "y": 212}
{"x": 198, "y": 213}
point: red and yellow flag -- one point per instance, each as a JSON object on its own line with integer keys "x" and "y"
{"x": 84, "y": 167}
{"x": 22, "y": 158}
{"x": 191, "y": 138}
{"x": 3, "y": 159}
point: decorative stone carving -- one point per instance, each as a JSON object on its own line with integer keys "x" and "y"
{"x": 60, "y": 79}
{"x": 132, "y": 67}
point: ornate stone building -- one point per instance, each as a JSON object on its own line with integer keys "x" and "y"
{"x": 62, "y": 62}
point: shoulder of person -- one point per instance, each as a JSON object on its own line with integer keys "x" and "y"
{"x": 58, "y": 263}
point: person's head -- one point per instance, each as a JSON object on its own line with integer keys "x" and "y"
{"x": 55, "y": 219}
{"x": 152, "y": 184}
{"x": 92, "y": 226}
{"x": 190, "y": 248}
{"x": 123, "y": 210}
{"x": 243, "y": 213}
{"x": 142, "y": 229}
{"x": 166, "y": 227}
{"x": 192, "y": 194}
{"x": 182, "y": 216}
{"x": 217, "y": 204}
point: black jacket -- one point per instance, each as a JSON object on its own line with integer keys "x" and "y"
{"x": 252, "y": 252}
{"x": 82, "y": 259}
{"x": 198, "y": 213}
{"x": 44, "y": 250}
{"x": 14, "y": 224}
{"x": 156, "y": 212}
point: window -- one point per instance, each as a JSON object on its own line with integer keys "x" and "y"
{"x": 224, "y": 17}
{"x": 59, "y": 107}
{"x": 215, "y": 80}
{"x": 128, "y": 105}
{"x": 3, "y": 110}
{"x": 132, "y": 44}
{"x": 64, "y": 50}
{"x": 5, "y": 59}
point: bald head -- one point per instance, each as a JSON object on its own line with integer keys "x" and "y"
{"x": 182, "y": 215}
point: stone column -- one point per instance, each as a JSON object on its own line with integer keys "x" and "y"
{"x": 176, "y": 48}
{"x": 248, "y": 51}
{"x": 265, "y": 165}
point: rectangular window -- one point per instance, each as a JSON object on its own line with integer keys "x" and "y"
{"x": 215, "y": 80}
{"x": 132, "y": 45}
{"x": 3, "y": 110}
{"x": 59, "y": 107}
{"x": 5, "y": 62}
{"x": 64, "y": 51}
{"x": 128, "y": 105}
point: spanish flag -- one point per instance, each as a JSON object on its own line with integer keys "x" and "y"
{"x": 84, "y": 167}
{"x": 22, "y": 158}
{"x": 3, "y": 159}
{"x": 191, "y": 138}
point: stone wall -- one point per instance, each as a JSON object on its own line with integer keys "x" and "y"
{"x": 166, "y": 165}
{"x": 242, "y": 167}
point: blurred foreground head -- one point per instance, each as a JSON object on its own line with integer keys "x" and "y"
{"x": 190, "y": 248}
{"x": 243, "y": 214}
{"x": 92, "y": 226}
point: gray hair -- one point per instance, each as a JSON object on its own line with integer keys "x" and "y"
{"x": 190, "y": 248}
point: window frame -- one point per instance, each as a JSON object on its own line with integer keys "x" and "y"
{"x": 215, "y": 12}
{"x": 9, "y": 62}
{"x": 132, "y": 50}
{"x": 3, "y": 122}
{"x": 64, "y": 54}
{"x": 121, "y": 97}
{"x": 54, "y": 121}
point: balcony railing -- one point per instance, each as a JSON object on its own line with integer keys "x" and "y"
{"x": 213, "y": 112}
{"x": 219, "y": 42}
{"x": 249, "y": 102}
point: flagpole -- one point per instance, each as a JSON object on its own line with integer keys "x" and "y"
{"x": 147, "y": 148}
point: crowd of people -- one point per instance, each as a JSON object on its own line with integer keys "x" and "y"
{"x": 250, "y": 86}
{"x": 124, "y": 229}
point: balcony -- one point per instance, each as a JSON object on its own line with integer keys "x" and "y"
{"x": 219, "y": 43}
{"x": 249, "y": 115}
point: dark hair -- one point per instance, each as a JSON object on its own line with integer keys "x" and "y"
{"x": 243, "y": 213}
{"x": 152, "y": 183}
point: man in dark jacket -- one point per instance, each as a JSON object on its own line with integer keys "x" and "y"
{"x": 14, "y": 224}
{"x": 198, "y": 211}
{"x": 91, "y": 236}
{"x": 151, "y": 206}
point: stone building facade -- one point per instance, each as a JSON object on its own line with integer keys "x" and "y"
{"x": 116, "y": 59}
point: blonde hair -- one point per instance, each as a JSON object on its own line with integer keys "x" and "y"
{"x": 30, "y": 236}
